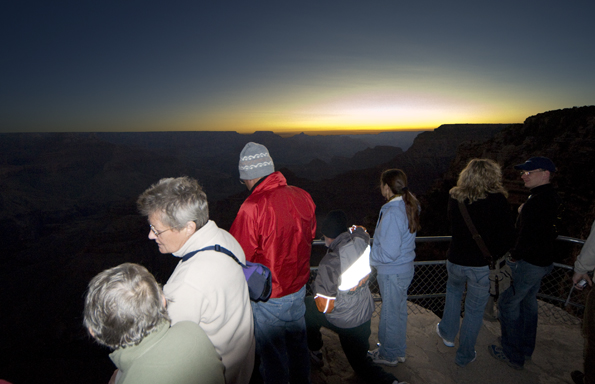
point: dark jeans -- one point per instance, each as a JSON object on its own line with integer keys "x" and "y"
{"x": 354, "y": 342}
{"x": 589, "y": 334}
{"x": 280, "y": 331}
{"x": 518, "y": 308}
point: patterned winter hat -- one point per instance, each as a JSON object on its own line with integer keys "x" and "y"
{"x": 255, "y": 162}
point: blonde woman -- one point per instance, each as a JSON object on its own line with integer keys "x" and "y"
{"x": 480, "y": 188}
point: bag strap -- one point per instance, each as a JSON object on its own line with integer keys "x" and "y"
{"x": 476, "y": 236}
{"x": 217, "y": 248}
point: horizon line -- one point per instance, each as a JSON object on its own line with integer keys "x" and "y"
{"x": 282, "y": 133}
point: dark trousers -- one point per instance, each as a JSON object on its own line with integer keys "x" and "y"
{"x": 354, "y": 342}
{"x": 589, "y": 334}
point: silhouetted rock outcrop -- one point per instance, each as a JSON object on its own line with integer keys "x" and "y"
{"x": 357, "y": 192}
{"x": 566, "y": 136}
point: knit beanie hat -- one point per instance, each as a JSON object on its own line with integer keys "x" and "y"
{"x": 334, "y": 224}
{"x": 255, "y": 162}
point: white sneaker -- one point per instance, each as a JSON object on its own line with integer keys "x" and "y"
{"x": 400, "y": 359}
{"x": 446, "y": 342}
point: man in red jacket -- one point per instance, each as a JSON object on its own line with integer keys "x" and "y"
{"x": 275, "y": 226}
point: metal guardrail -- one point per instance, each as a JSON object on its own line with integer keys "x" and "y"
{"x": 557, "y": 298}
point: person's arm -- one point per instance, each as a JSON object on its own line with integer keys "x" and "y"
{"x": 326, "y": 284}
{"x": 585, "y": 262}
{"x": 185, "y": 303}
{"x": 388, "y": 235}
{"x": 244, "y": 229}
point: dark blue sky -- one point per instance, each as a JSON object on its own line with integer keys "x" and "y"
{"x": 289, "y": 65}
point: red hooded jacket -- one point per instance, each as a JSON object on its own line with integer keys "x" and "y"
{"x": 275, "y": 226}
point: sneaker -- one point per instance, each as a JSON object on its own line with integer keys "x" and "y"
{"x": 316, "y": 359}
{"x": 577, "y": 377}
{"x": 527, "y": 357}
{"x": 446, "y": 342}
{"x": 375, "y": 355}
{"x": 372, "y": 353}
{"x": 472, "y": 360}
{"x": 498, "y": 354}
{"x": 400, "y": 382}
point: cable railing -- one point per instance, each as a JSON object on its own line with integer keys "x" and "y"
{"x": 558, "y": 300}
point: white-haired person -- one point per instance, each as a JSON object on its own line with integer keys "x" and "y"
{"x": 125, "y": 310}
{"x": 207, "y": 287}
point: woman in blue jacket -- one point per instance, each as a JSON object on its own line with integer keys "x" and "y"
{"x": 392, "y": 255}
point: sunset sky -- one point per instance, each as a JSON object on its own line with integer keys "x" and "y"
{"x": 290, "y": 66}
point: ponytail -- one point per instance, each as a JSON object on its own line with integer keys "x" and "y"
{"x": 397, "y": 182}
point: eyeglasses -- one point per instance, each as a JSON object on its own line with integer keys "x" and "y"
{"x": 529, "y": 173}
{"x": 156, "y": 232}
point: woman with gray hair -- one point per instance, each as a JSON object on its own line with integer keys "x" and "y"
{"x": 207, "y": 287}
{"x": 125, "y": 310}
{"x": 480, "y": 189}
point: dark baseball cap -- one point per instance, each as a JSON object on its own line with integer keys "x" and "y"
{"x": 537, "y": 163}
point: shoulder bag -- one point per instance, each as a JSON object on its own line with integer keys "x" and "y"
{"x": 257, "y": 276}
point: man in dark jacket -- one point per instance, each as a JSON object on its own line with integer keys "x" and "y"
{"x": 531, "y": 258}
{"x": 343, "y": 302}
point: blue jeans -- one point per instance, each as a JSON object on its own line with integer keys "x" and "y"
{"x": 281, "y": 343}
{"x": 392, "y": 330}
{"x": 478, "y": 293}
{"x": 518, "y": 308}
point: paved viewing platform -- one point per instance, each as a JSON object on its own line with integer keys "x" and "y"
{"x": 559, "y": 351}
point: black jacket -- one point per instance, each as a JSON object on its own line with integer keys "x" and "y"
{"x": 536, "y": 227}
{"x": 491, "y": 216}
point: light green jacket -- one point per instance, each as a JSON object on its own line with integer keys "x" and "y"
{"x": 182, "y": 354}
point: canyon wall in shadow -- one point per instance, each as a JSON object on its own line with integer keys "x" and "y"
{"x": 67, "y": 208}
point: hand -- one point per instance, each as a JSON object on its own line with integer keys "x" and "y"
{"x": 354, "y": 227}
{"x": 578, "y": 277}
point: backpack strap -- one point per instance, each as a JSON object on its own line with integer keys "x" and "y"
{"x": 216, "y": 248}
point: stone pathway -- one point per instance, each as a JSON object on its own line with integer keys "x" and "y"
{"x": 559, "y": 351}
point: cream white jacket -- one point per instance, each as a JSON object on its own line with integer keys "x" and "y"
{"x": 210, "y": 289}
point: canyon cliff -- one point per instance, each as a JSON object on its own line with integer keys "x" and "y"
{"x": 67, "y": 207}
